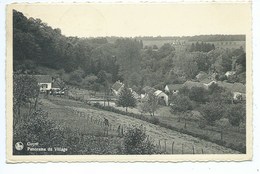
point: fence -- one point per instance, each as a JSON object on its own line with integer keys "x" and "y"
{"x": 164, "y": 146}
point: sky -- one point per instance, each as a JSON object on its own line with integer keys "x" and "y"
{"x": 130, "y": 20}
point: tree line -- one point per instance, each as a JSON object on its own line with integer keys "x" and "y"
{"x": 96, "y": 63}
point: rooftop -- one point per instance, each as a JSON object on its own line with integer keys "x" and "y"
{"x": 117, "y": 85}
{"x": 43, "y": 78}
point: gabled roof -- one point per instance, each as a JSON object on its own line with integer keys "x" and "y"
{"x": 43, "y": 78}
{"x": 233, "y": 87}
{"x": 190, "y": 84}
{"x": 201, "y": 75}
{"x": 207, "y": 81}
{"x": 148, "y": 89}
{"x": 117, "y": 85}
{"x": 230, "y": 73}
{"x": 175, "y": 86}
{"x": 55, "y": 84}
{"x": 158, "y": 92}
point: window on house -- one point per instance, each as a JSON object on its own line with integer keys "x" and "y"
{"x": 44, "y": 85}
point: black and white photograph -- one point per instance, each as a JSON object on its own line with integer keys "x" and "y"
{"x": 129, "y": 80}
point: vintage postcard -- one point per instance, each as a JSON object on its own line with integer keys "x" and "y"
{"x": 163, "y": 82}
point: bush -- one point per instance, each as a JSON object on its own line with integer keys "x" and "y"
{"x": 155, "y": 120}
{"x": 237, "y": 114}
{"x": 198, "y": 94}
{"x": 212, "y": 112}
{"x": 39, "y": 128}
{"x": 136, "y": 142}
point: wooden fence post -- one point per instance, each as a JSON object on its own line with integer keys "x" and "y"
{"x": 193, "y": 150}
{"x": 160, "y": 145}
{"x": 202, "y": 151}
{"x": 165, "y": 146}
{"x": 172, "y": 146}
{"x": 182, "y": 148}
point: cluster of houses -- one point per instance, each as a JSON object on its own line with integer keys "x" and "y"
{"x": 203, "y": 80}
{"x": 163, "y": 98}
{"x": 50, "y": 85}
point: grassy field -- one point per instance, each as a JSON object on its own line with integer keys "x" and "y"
{"x": 65, "y": 111}
{"x": 231, "y": 135}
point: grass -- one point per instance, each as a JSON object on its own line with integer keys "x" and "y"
{"x": 82, "y": 134}
{"x": 231, "y": 136}
{"x": 204, "y": 134}
{"x": 69, "y": 118}
{"x": 62, "y": 111}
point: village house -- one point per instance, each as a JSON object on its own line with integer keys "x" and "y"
{"x": 189, "y": 84}
{"x": 45, "y": 82}
{"x": 201, "y": 76}
{"x": 117, "y": 87}
{"x": 238, "y": 90}
{"x": 207, "y": 82}
{"x": 173, "y": 88}
{"x": 230, "y": 73}
{"x": 162, "y": 97}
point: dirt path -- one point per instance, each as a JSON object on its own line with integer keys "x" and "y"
{"x": 182, "y": 143}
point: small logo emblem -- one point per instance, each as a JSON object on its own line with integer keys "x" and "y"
{"x": 19, "y": 146}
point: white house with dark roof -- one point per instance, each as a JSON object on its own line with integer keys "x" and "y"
{"x": 45, "y": 82}
{"x": 158, "y": 93}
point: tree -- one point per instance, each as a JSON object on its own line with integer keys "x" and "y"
{"x": 187, "y": 63}
{"x": 184, "y": 91}
{"x": 180, "y": 105}
{"x": 198, "y": 94}
{"x": 237, "y": 114}
{"x": 128, "y": 57}
{"x": 76, "y": 76}
{"x": 222, "y": 124}
{"x": 137, "y": 142}
{"x": 202, "y": 61}
{"x": 212, "y": 112}
{"x": 126, "y": 98}
{"x": 150, "y": 105}
{"x": 223, "y": 97}
{"x": 215, "y": 88}
{"x": 25, "y": 91}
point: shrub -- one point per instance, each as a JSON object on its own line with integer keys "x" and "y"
{"x": 155, "y": 120}
{"x": 38, "y": 128}
{"x": 136, "y": 142}
{"x": 198, "y": 94}
{"x": 237, "y": 114}
{"x": 212, "y": 112}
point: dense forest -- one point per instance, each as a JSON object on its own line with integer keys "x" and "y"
{"x": 96, "y": 63}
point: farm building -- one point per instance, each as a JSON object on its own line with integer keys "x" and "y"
{"x": 117, "y": 87}
{"x": 201, "y": 76}
{"x": 207, "y": 82}
{"x": 173, "y": 88}
{"x": 189, "y": 84}
{"x": 45, "y": 82}
{"x": 238, "y": 89}
{"x": 230, "y": 73}
{"x": 163, "y": 98}
{"x": 56, "y": 86}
